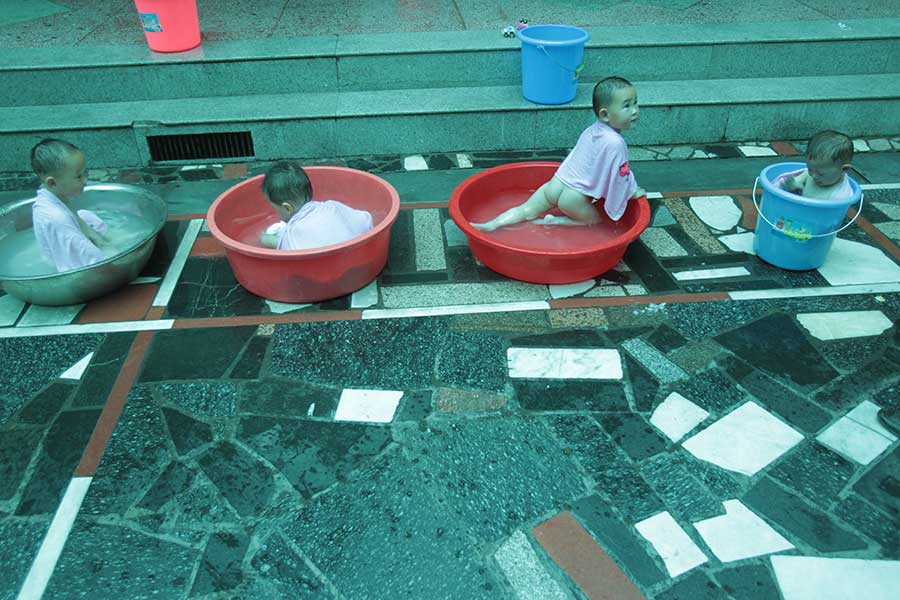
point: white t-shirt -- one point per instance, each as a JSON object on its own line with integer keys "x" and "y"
{"x": 58, "y": 235}
{"x": 322, "y": 223}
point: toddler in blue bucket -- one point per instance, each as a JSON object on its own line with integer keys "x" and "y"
{"x": 66, "y": 239}
{"x": 305, "y": 224}
{"x": 828, "y": 157}
{"x": 596, "y": 168}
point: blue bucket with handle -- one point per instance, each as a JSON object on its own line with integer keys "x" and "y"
{"x": 794, "y": 232}
{"x": 551, "y": 62}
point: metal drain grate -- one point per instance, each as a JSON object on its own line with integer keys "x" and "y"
{"x": 195, "y": 146}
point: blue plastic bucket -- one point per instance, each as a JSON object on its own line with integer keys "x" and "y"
{"x": 551, "y": 62}
{"x": 793, "y": 232}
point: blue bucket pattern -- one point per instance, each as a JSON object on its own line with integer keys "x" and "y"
{"x": 793, "y": 232}
{"x": 551, "y": 62}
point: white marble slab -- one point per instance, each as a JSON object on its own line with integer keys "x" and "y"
{"x": 739, "y": 242}
{"x": 739, "y": 534}
{"x": 815, "y": 578}
{"x": 570, "y": 289}
{"x": 757, "y": 151}
{"x": 606, "y": 291}
{"x": 370, "y": 406}
{"x": 564, "y": 363}
{"x": 524, "y": 571}
{"x": 415, "y": 163}
{"x": 82, "y": 328}
{"x": 654, "y": 196}
{"x": 42, "y": 316}
{"x": 890, "y": 210}
{"x": 854, "y": 440}
{"x": 677, "y": 416}
{"x": 10, "y": 309}
{"x": 844, "y": 290}
{"x": 850, "y": 263}
{"x": 719, "y": 212}
{"x": 365, "y": 297}
{"x": 890, "y": 229}
{"x": 458, "y": 309}
{"x": 745, "y": 440}
{"x": 463, "y": 161}
{"x": 78, "y": 369}
{"x": 711, "y": 273}
{"x": 676, "y": 548}
{"x": 860, "y": 146}
{"x": 844, "y": 324}
{"x": 635, "y": 289}
{"x": 866, "y": 414}
{"x": 279, "y": 308}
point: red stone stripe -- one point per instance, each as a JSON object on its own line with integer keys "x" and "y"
{"x": 129, "y": 303}
{"x": 784, "y": 148}
{"x": 748, "y": 219}
{"x": 208, "y": 246}
{"x": 573, "y": 549}
{"x": 155, "y": 312}
{"x": 300, "y": 317}
{"x": 884, "y": 241}
{"x": 234, "y": 171}
{"x": 113, "y": 407}
{"x": 731, "y": 192}
{"x": 627, "y": 300}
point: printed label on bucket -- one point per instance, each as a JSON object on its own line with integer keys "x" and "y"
{"x": 797, "y": 230}
{"x": 151, "y": 23}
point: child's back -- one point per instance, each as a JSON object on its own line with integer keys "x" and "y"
{"x": 323, "y": 223}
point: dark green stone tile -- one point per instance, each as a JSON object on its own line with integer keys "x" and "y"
{"x": 871, "y": 522}
{"x": 623, "y": 485}
{"x": 220, "y": 567}
{"x": 577, "y": 338}
{"x": 396, "y": 353}
{"x": 666, "y": 339}
{"x": 251, "y": 361}
{"x": 461, "y": 265}
{"x": 644, "y": 386}
{"x": 187, "y": 434}
{"x": 387, "y": 510}
{"x": 44, "y": 407}
{"x": 794, "y": 408}
{"x": 696, "y": 586}
{"x": 401, "y": 251}
{"x": 282, "y": 573}
{"x": 881, "y": 485}
{"x": 244, "y": 481}
{"x": 684, "y": 496}
{"x": 415, "y": 406}
{"x": 473, "y": 360}
{"x": 287, "y": 397}
{"x": 61, "y": 451}
{"x": 633, "y": 434}
{"x": 100, "y": 376}
{"x": 339, "y": 303}
{"x": 496, "y": 473}
{"x": 313, "y": 455}
{"x": 619, "y": 540}
{"x": 654, "y": 277}
{"x": 582, "y": 438}
{"x": 800, "y": 520}
{"x": 816, "y": 472}
{"x": 175, "y": 478}
{"x": 712, "y": 389}
{"x": 166, "y": 246}
{"x": 748, "y": 582}
{"x": 194, "y": 353}
{"x": 409, "y": 278}
{"x": 111, "y": 561}
{"x": 17, "y": 447}
{"x": 707, "y": 260}
{"x": 844, "y": 393}
{"x": 776, "y": 345}
{"x": 208, "y": 288}
{"x": 202, "y": 398}
{"x": 620, "y": 334}
{"x": 879, "y": 167}
{"x": 554, "y": 395}
{"x": 20, "y": 540}
{"x": 719, "y": 481}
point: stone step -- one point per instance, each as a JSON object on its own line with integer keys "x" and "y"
{"x": 334, "y": 124}
{"x": 430, "y": 60}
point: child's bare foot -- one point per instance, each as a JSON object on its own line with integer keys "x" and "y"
{"x": 484, "y": 226}
{"x": 555, "y": 220}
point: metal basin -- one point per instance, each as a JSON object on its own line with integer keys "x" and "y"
{"x": 86, "y": 283}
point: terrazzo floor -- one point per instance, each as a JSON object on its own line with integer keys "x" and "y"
{"x": 693, "y": 424}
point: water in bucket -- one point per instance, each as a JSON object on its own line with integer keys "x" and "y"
{"x": 793, "y": 232}
{"x": 551, "y": 62}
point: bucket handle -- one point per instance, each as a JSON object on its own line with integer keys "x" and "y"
{"x": 804, "y": 236}
{"x": 575, "y": 72}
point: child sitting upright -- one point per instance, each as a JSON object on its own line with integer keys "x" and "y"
{"x": 306, "y": 223}
{"x": 596, "y": 168}
{"x": 66, "y": 239}
{"x": 828, "y": 157}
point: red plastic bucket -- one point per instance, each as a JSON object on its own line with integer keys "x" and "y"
{"x": 516, "y": 182}
{"x": 169, "y": 25}
{"x": 316, "y": 274}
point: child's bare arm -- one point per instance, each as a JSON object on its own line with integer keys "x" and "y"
{"x": 269, "y": 240}
{"x": 96, "y": 237}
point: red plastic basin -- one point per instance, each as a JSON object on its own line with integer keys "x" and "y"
{"x": 539, "y": 253}
{"x": 238, "y": 216}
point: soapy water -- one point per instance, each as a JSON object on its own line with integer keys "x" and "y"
{"x": 20, "y": 255}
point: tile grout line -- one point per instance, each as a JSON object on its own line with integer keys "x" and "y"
{"x": 48, "y": 554}
{"x": 174, "y": 271}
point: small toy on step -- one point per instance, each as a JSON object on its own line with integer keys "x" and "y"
{"x": 509, "y": 32}
{"x": 522, "y": 24}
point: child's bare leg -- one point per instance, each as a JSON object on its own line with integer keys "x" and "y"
{"x": 543, "y": 199}
{"x": 577, "y": 208}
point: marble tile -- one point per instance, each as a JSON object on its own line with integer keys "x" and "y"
{"x": 860, "y": 146}
{"x": 365, "y": 297}
{"x": 280, "y": 308}
{"x": 855, "y": 441}
{"x": 677, "y": 416}
{"x": 524, "y": 571}
{"x": 850, "y": 263}
{"x": 173, "y": 273}
{"x": 757, "y": 151}
{"x": 891, "y": 210}
{"x": 694, "y": 227}
{"x": 662, "y": 217}
{"x": 16, "y": 332}
{"x": 10, "y": 309}
{"x": 816, "y": 292}
{"x": 605, "y": 291}
{"x": 428, "y": 239}
{"x": 635, "y": 289}
{"x": 570, "y": 289}
{"x": 372, "y": 406}
{"x": 654, "y": 361}
{"x": 459, "y": 309}
{"x": 564, "y": 363}
{"x": 38, "y": 316}
{"x": 867, "y": 414}
{"x": 449, "y": 294}
{"x": 816, "y": 578}
{"x": 455, "y": 236}
{"x": 740, "y": 533}
{"x": 719, "y": 212}
{"x": 739, "y": 242}
{"x": 78, "y": 369}
{"x": 679, "y": 553}
{"x": 711, "y": 273}
{"x": 661, "y": 243}
{"x": 463, "y": 161}
{"x": 745, "y": 440}
{"x": 892, "y": 229}
{"x": 415, "y": 163}
{"x": 844, "y": 324}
